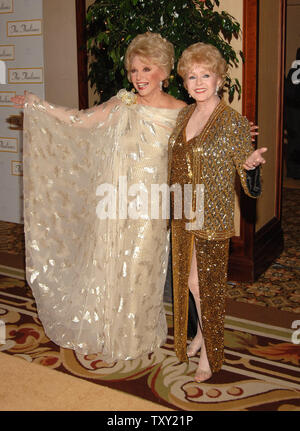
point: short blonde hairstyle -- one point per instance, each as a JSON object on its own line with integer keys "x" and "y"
{"x": 204, "y": 54}
{"x": 153, "y": 48}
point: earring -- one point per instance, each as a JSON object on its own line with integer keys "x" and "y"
{"x": 217, "y": 89}
{"x": 160, "y": 85}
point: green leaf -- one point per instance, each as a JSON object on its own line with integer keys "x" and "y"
{"x": 112, "y": 24}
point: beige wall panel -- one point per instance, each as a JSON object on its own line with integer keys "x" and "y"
{"x": 269, "y": 70}
{"x": 292, "y": 31}
{"x": 93, "y": 98}
{"x": 236, "y": 9}
{"x": 60, "y": 52}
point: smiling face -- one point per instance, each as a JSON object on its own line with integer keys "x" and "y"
{"x": 146, "y": 76}
{"x": 201, "y": 83}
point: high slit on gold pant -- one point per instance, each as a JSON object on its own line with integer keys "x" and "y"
{"x": 212, "y": 160}
{"x": 212, "y": 260}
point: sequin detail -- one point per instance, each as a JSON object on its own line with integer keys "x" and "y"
{"x": 210, "y": 159}
{"x": 212, "y": 259}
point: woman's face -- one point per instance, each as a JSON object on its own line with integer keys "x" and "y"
{"x": 201, "y": 83}
{"x": 146, "y": 76}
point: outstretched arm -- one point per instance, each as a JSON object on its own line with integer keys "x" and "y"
{"x": 85, "y": 118}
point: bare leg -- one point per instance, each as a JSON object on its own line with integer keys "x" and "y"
{"x": 193, "y": 284}
{"x": 203, "y": 371}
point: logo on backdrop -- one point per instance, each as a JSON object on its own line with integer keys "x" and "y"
{"x": 6, "y": 6}
{"x": 5, "y": 97}
{"x": 32, "y": 75}
{"x": 16, "y": 168}
{"x": 7, "y": 52}
{"x": 24, "y": 28}
{"x": 8, "y": 145}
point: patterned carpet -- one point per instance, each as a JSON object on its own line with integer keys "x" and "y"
{"x": 278, "y": 287}
{"x": 11, "y": 238}
{"x": 261, "y": 370}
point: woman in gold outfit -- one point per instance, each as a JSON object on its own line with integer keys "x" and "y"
{"x": 211, "y": 141}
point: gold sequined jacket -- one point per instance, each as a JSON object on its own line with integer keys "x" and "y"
{"x": 217, "y": 154}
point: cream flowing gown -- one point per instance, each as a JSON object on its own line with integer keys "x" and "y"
{"x": 98, "y": 283}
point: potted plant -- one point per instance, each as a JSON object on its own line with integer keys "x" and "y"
{"x": 112, "y": 24}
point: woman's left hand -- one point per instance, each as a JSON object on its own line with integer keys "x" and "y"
{"x": 255, "y": 159}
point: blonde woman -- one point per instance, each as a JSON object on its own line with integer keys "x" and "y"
{"x": 96, "y": 263}
{"x": 210, "y": 143}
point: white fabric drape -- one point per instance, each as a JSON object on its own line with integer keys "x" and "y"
{"x": 98, "y": 284}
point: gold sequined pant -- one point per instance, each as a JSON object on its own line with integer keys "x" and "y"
{"x": 212, "y": 261}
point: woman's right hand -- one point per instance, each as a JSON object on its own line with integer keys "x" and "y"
{"x": 19, "y": 100}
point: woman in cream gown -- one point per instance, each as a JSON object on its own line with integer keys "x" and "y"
{"x": 97, "y": 273}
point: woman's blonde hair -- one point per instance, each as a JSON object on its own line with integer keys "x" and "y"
{"x": 154, "y": 48}
{"x": 202, "y": 53}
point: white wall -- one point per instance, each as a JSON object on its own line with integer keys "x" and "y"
{"x": 21, "y": 40}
